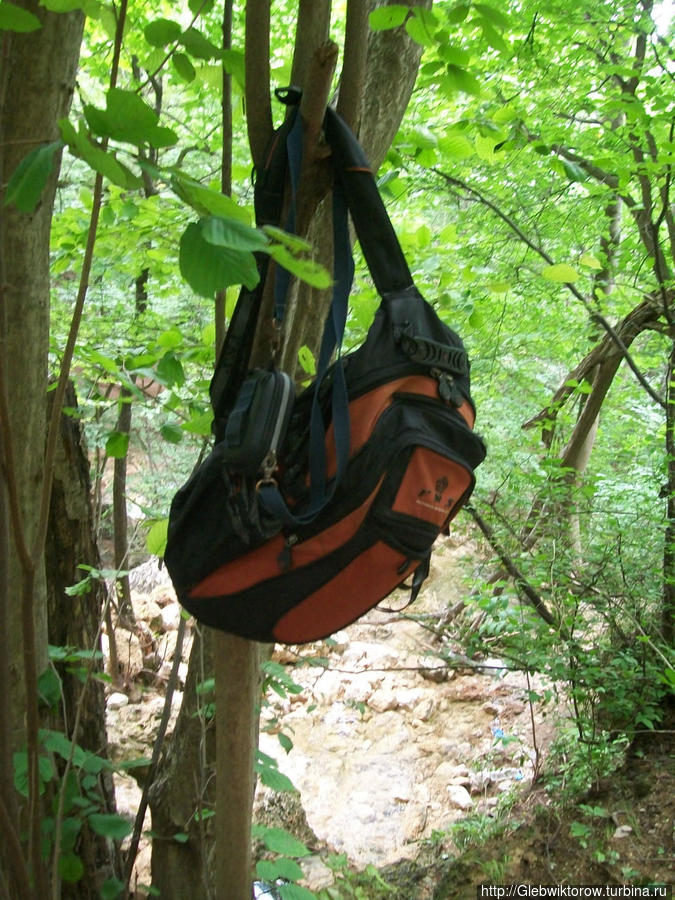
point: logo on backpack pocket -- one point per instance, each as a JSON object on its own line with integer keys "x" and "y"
{"x": 435, "y": 499}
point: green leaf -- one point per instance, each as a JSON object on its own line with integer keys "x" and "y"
{"x": 129, "y": 119}
{"x": 285, "y": 741}
{"x": 590, "y": 261}
{"x": 495, "y": 16}
{"x": 291, "y": 241}
{"x": 306, "y": 360}
{"x": 197, "y": 45}
{"x": 305, "y": 269}
{"x": 49, "y": 687}
{"x": 155, "y": 541}
{"x": 171, "y": 433}
{"x": 170, "y": 370}
{"x": 64, "y": 6}
{"x": 560, "y": 273}
{"x": 420, "y": 26}
{"x": 232, "y": 233}
{"x": 183, "y": 66}
{"x": 385, "y": 17}
{"x": 493, "y": 37}
{"x": 30, "y": 176}
{"x": 112, "y": 889}
{"x": 161, "y": 32}
{"x": 485, "y": 148}
{"x": 276, "y": 780}
{"x": 574, "y": 171}
{"x": 456, "y": 145}
{"x": 234, "y": 63}
{"x": 200, "y": 7}
{"x": 206, "y": 201}
{"x": 209, "y": 269}
{"x": 141, "y": 762}
{"x": 498, "y": 287}
{"x": 110, "y": 825}
{"x": 171, "y": 338}
{"x": 14, "y": 18}
{"x": 181, "y": 838}
{"x": 278, "y": 840}
{"x": 117, "y": 444}
{"x": 461, "y": 80}
{"x": 106, "y": 164}
{"x": 71, "y": 867}
{"x": 271, "y": 869}
{"x": 295, "y": 892}
{"x": 458, "y": 13}
{"x": 57, "y": 742}
{"x": 199, "y": 422}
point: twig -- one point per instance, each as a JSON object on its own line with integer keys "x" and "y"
{"x": 156, "y": 753}
{"x": 519, "y": 579}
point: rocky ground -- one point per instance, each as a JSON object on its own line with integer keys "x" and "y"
{"x": 392, "y": 747}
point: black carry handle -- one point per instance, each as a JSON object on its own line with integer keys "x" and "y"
{"x": 375, "y": 232}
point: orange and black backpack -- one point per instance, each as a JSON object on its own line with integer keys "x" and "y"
{"x": 310, "y": 510}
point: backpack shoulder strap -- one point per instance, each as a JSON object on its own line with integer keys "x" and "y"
{"x": 376, "y": 234}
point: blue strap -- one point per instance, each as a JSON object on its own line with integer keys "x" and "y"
{"x": 294, "y": 153}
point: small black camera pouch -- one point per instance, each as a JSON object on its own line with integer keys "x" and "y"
{"x": 258, "y": 423}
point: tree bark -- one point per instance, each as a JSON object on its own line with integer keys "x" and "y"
{"x": 37, "y": 76}
{"x": 74, "y": 622}
{"x": 186, "y": 787}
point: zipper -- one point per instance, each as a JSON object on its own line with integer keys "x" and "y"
{"x": 270, "y": 463}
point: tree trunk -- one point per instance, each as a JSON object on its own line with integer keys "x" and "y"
{"x": 120, "y": 518}
{"x": 185, "y": 788}
{"x": 668, "y": 612}
{"x": 74, "y": 622}
{"x": 37, "y": 76}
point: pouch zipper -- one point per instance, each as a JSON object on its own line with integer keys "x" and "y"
{"x": 270, "y": 462}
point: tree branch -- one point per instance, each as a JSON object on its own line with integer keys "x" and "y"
{"x": 519, "y": 579}
{"x": 257, "y": 69}
{"x": 353, "y": 77}
{"x": 638, "y": 319}
{"x": 312, "y": 32}
{"x": 594, "y": 314}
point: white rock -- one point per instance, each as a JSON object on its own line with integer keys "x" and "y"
{"x": 409, "y": 698}
{"x": 146, "y": 610}
{"x": 424, "y": 709}
{"x": 623, "y": 831}
{"x": 459, "y": 796}
{"x": 170, "y": 617}
{"x": 434, "y": 669}
{"x": 117, "y": 700}
{"x": 383, "y": 700}
{"x": 341, "y": 639}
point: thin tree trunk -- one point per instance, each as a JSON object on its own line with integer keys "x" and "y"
{"x": 120, "y": 517}
{"x": 37, "y": 76}
{"x": 668, "y": 613}
{"x": 74, "y": 622}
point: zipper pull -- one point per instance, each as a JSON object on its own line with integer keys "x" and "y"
{"x": 285, "y": 558}
{"x": 447, "y": 389}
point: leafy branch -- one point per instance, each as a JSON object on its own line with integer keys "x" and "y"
{"x": 595, "y": 316}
